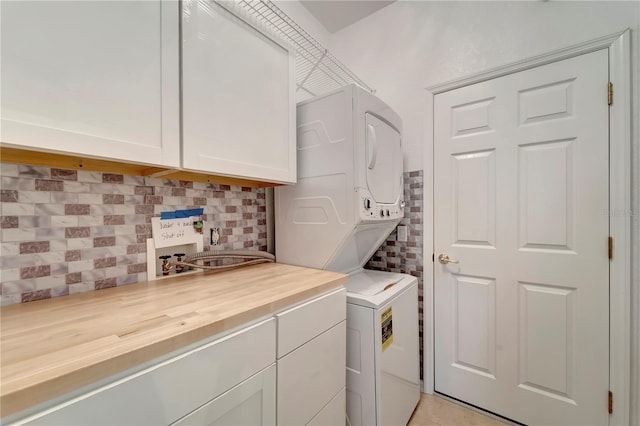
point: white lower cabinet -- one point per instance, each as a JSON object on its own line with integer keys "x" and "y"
{"x": 285, "y": 370}
{"x": 167, "y": 391}
{"x": 333, "y": 413}
{"x": 310, "y": 376}
{"x": 251, "y": 403}
{"x": 312, "y": 362}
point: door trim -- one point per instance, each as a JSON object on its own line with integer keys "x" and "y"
{"x": 525, "y": 64}
{"x": 620, "y": 211}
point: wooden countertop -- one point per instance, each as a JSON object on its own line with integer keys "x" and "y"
{"x": 54, "y": 346}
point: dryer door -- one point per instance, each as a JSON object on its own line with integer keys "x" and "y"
{"x": 384, "y": 160}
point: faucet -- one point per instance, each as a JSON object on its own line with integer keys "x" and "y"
{"x": 166, "y": 266}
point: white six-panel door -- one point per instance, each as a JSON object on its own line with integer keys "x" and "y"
{"x": 521, "y": 190}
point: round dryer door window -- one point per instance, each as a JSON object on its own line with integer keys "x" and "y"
{"x": 384, "y": 160}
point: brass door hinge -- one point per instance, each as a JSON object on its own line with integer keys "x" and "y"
{"x": 610, "y": 93}
{"x": 610, "y": 402}
{"x": 610, "y": 247}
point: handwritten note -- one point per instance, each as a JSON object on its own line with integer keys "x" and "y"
{"x": 171, "y": 232}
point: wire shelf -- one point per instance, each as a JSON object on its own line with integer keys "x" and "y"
{"x": 317, "y": 70}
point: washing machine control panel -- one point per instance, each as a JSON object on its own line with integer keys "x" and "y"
{"x": 371, "y": 211}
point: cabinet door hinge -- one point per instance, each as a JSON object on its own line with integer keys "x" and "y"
{"x": 610, "y": 402}
{"x": 610, "y": 247}
{"x": 610, "y": 93}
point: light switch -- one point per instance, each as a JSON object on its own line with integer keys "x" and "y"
{"x": 402, "y": 233}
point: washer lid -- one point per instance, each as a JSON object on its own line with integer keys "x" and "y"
{"x": 374, "y": 289}
{"x": 371, "y": 283}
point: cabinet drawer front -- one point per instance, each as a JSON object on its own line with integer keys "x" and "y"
{"x": 252, "y": 402}
{"x": 167, "y": 391}
{"x": 303, "y": 322}
{"x": 310, "y": 376}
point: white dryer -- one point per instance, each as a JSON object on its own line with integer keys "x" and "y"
{"x": 349, "y": 193}
{"x": 348, "y": 199}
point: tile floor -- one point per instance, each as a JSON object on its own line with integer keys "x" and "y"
{"x": 436, "y": 411}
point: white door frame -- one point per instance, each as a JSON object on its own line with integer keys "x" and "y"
{"x": 619, "y": 211}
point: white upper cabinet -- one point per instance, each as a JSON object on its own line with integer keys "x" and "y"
{"x": 94, "y": 78}
{"x": 238, "y": 95}
{"x": 101, "y": 79}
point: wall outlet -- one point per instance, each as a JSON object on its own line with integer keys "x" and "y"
{"x": 214, "y": 236}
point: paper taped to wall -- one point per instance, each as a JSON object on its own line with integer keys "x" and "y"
{"x": 171, "y": 232}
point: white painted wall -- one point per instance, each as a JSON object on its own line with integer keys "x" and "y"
{"x": 410, "y": 45}
{"x": 301, "y": 16}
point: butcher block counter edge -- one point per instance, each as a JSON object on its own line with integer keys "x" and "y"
{"x": 55, "y": 346}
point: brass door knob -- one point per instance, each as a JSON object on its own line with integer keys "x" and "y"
{"x": 444, "y": 259}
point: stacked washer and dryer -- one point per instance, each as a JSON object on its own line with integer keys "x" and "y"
{"x": 348, "y": 199}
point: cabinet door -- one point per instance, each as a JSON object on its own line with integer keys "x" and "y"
{"x": 238, "y": 96}
{"x": 310, "y": 376}
{"x": 92, "y": 78}
{"x": 333, "y": 414}
{"x": 251, "y": 403}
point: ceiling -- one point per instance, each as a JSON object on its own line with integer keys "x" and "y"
{"x": 337, "y": 14}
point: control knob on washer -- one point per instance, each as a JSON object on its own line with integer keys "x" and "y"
{"x": 367, "y": 203}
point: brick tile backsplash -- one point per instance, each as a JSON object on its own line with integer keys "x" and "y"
{"x": 73, "y": 278}
{"x": 109, "y": 177}
{"x": 104, "y": 241}
{"x": 178, "y": 192}
{"x": 112, "y": 199}
{"x": 69, "y": 231}
{"x": 9, "y": 222}
{"x": 34, "y": 247}
{"x": 202, "y": 201}
{"x": 407, "y": 257}
{"x": 153, "y": 199}
{"x": 105, "y": 262}
{"x": 106, "y": 283}
{"x": 72, "y": 255}
{"x": 35, "y": 272}
{"x": 64, "y": 174}
{"x": 49, "y": 185}
{"x": 31, "y": 296}
{"x": 139, "y": 267}
{"x": 77, "y": 209}
{"x": 9, "y": 196}
{"x": 77, "y": 232}
{"x": 144, "y": 190}
{"x": 114, "y": 219}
